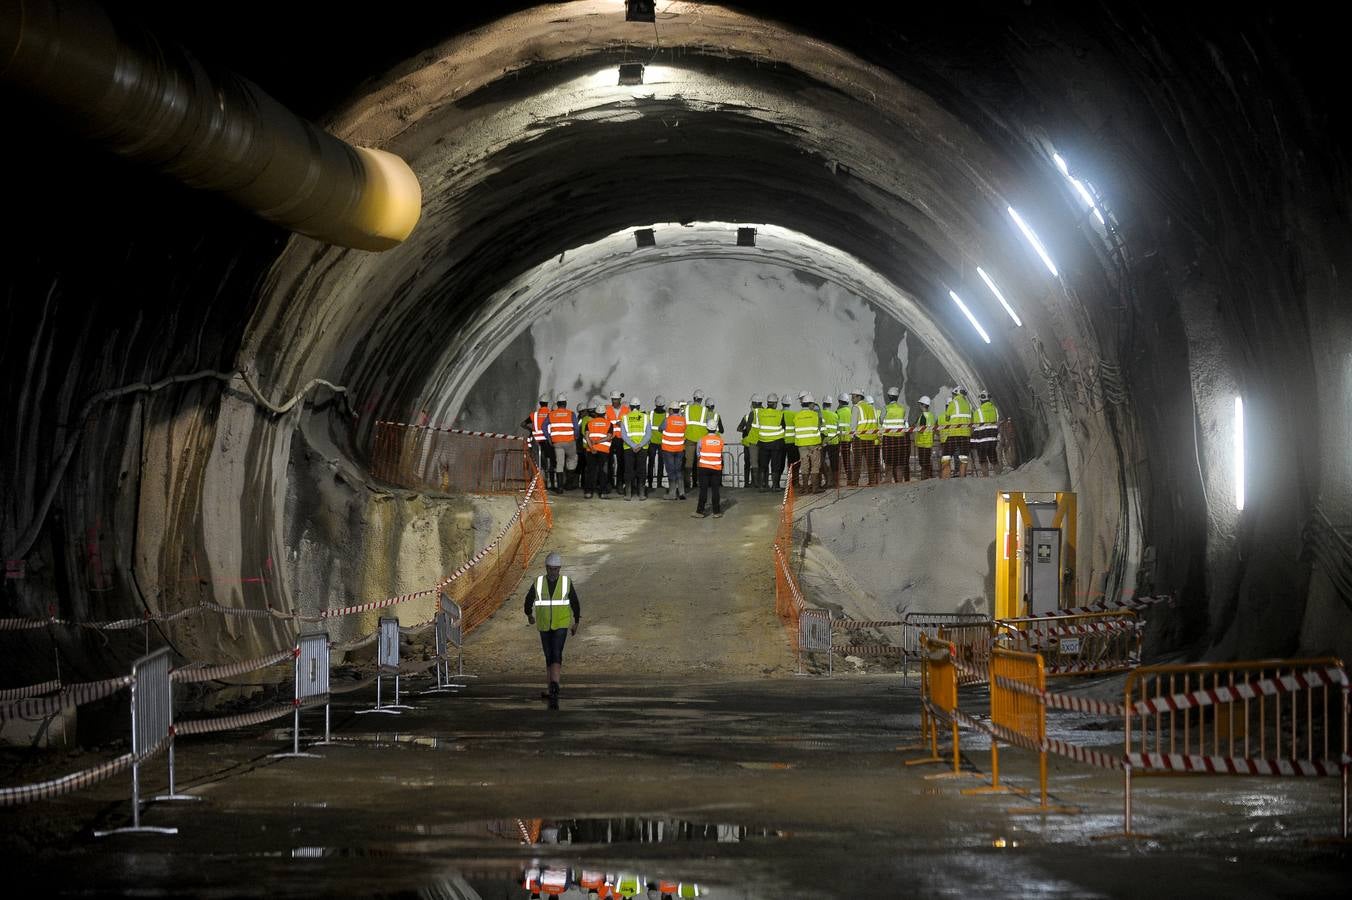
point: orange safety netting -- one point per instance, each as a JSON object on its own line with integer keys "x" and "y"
{"x": 423, "y": 457}
{"x": 789, "y": 602}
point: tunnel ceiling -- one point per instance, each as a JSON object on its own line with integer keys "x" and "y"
{"x": 1215, "y": 144}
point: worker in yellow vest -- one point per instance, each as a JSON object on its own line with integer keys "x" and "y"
{"x": 864, "y": 440}
{"x": 985, "y": 435}
{"x": 808, "y": 435}
{"x": 637, "y": 432}
{"x": 750, "y": 433}
{"x": 654, "y": 463}
{"x": 673, "y": 452}
{"x": 956, "y": 426}
{"x": 696, "y": 427}
{"x": 770, "y": 442}
{"x": 552, "y": 606}
{"x": 923, "y": 430}
{"x": 790, "y": 436}
{"x": 599, "y": 436}
{"x": 710, "y": 464}
{"x": 830, "y": 442}
{"x": 896, "y": 438}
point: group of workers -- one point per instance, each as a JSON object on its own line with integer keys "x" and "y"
{"x": 553, "y": 882}
{"x": 624, "y": 447}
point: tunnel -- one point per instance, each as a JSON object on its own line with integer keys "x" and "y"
{"x": 1124, "y": 221}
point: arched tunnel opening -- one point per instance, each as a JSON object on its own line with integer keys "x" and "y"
{"x": 245, "y": 408}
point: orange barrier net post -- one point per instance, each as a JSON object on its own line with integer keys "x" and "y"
{"x": 789, "y": 601}
{"x": 1079, "y": 643}
{"x": 939, "y": 699}
{"x": 1279, "y": 718}
{"x": 1020, "y": 717}
{"x": 449, "y": 460}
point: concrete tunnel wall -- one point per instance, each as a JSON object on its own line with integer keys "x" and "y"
{"x": 1217, "y": 148}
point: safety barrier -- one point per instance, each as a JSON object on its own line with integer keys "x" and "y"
{"x": 789, "y": 603}
{"x": 1285, "y": 718}
{"x": 814, "y": 636}
{"x": 450, "y": 460}
{"x": 447, "y": 634}
{"x": 1079, "y": 644}
{"x": 152, "y": 723}
{"x": 312, "y": 685}
{"x": 387, "y": 663}
{"x": 939, "y": 702}
{"x": 972, "y": 645}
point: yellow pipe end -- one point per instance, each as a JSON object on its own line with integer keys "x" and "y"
{"x": 390, "y": 204}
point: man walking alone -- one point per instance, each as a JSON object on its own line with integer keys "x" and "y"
{"x": 552, "y": 607}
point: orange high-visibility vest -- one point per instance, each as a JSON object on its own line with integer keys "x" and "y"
{"x": 598, "y": 435}
{"x": 673, "y": 432}
{"x": 711, "y": 452}
{"x": 613, "y": 416}
{"x": 539, "y": 423}
{"x": 561, "y": 426}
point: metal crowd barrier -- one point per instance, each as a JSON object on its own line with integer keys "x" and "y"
{"x": 387, "y": 661}
{"x": 447, "y": 633}
{"x": 939, "y": 701}
{"x": 1283, "y": 718}
{"x": 814, "y": 636}
{"x": 972, "y": 650}
{"x": 152, "y": 722}
{"x": 312, "y": 683}
{"x": 1078, "y": 643}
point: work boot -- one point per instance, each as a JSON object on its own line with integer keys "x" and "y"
{"x": 718, "y": 514}
{"x": 644, "y": 496}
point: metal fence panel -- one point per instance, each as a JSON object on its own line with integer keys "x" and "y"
{"x": 814, "y": 631}
{"x": 312, "y": 666}
{"x": 387, "y": 655}
{"x": 151, "y": 702}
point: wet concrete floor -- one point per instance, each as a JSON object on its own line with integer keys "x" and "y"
{"x": 751, "y": 788}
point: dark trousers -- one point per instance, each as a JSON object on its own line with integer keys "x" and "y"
{"x": 614, "y": 463}
{"x": 865, "y": 459}
{"x": 746, "y": 466}
{"x": 633, "y": 470}
{"x": 831, "y": 464}
{"x": 772, "y": 460}
{"x": 925, "y": 455}
{"x": 897, "y": 457}
{"x": 544, "y": 456}
{"x": 654, "y": 464}
{"x": 709, "y": 480}
{"x": 597, "y": 480}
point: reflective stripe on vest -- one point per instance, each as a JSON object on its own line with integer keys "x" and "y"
{"x": 635, "y": 423}
{"x": 598, "y": 435}
{"x": 539, "y": 422}
{"x": 894, "y": 420}
{"x": 924, "y": 436}
{"x": 711, "y": 452}
{"x": 790, "y": 427}
{"x": 770, "y": 424}
{"x": 673, "y": 433}
{"x": 613, "y": 416}
{"x": 752, "y": 433}
{"x": 830, "y": 427}
{"x": 807, "y": 428}
{"x": 561, "y": 429}
{"x": 552, "y": 610}
{"x": 867, "y": 429}
{"x": 696, "y": 422}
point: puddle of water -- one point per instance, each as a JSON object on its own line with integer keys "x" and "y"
{"x": 611, "y": 831}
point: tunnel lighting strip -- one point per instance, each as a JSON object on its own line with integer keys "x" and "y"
{"x": 1032, "y": 239}
{"x": 999, "y": 296}
{"x": 1239, "y": 453}
{"x": 970, "y": 318}
{"x": 1080, "y": 189}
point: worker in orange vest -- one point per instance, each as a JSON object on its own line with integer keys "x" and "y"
{"x": 709, "y": 462}
{"x": 563, "y": 434}
{"x": 673, "y": 451}
{"x": 599, "y": 435}
{"x": 538, "y": 423}
{"x": 615, "y": 414}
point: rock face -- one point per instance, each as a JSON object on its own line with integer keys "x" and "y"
{"x": 1215, "y": 146}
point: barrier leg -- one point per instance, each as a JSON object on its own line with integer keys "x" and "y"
{"x": 444, "y": 686}
{"x": 295, "y": 741}
{"x": 1043, "y": 807}
{"x": 995, "y": 787}
{"x": 929, "y": 723}
{"x": 327, "y": 742}
{"x": 136, "y": 826}
{"x": 396, "y": 704}
{"x": 957, "y": 760}
{"x": 378, "y": 708}
{"x": 174, "y": 794}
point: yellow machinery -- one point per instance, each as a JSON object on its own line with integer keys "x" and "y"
{"x": 1034, "y": 553}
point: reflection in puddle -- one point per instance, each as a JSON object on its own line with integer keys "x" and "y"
{"x": 555, "y": 882}
{"x": 622, "y": 830}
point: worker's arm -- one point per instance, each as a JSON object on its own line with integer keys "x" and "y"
{"x": 744, "y": 426}
{"x": 624, "y": 436}
{"x": 647, "y": 431}
{"x": 530, "y": 603}
{"x": 718, "y": 420}
{"x": 574, "y": 604}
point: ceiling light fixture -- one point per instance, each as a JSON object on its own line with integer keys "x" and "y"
{"x": 970, "y": 318}
{"x": 631, "y": 73}
{"x": 746, "y": 237}
{"x": 1239, "y": 454}
{"x": 645, "y": 237}
{"x": 1032, "y": 239}
{"x": 640, "y": 10}
{"x": 999, "y": 296}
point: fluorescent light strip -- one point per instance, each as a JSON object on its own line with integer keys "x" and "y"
{"x": 1032, "y": 239}
{"x": 1239, "y": 453}
{"x": 970, "y": 318}
{"x": 1061, "y": 164}
{"x": 999, "y": 296}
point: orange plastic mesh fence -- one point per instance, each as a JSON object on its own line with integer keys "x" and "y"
{"x": 422, "y": 457}
{"x": 788, "y": 595}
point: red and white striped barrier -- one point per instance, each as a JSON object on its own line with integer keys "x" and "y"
{"x": 447, "y": 430}
{"x": 32, "y": 690}
{"x": 1232, "y": 765}
{"x": 69, "y": 695}
{"x": 1284, "y": 684}
{"x": 198, "y": 673}
{"x": 1097, "y": 667}
{"x": 1090, "y": 628}
{"x": 1054, "y": 700}
{"x": 851, "y": 624}
{"x": 1125, "y": 604}
{"x": 242, "y": 720}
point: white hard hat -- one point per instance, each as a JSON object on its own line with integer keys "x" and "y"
{"x": 802, "y": 394}
{"x": 844, "y": 397}
{"x": 699, "y": 394}
{"x": 857, "y": 392}
{"x": 985, "y": 395}
{"x": 635, "y": 402}
{"x": 827, "y": 399}
{"x": 924, "y": 398}
{"x": 615, "y": 395}
{"x": 561, "y": 398}
{"x": 597, "y": 402}
{"x": 773, "y": 398}
{"x": 807, "y": 398}
{"x": 894, "y": 392}
{"x": 709, "y": 401}
{"x": 553, "y": 560}
{"x": 659, "y": 400}
{"x": 868, "y": 398}
{"x": 544, "y": 398}
{"x": 756, "y": 398}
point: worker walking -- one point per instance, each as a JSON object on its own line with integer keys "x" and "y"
{"x": 654, "y": 461}
{"x": 896, "y": 438}
{"x": 790, "y": 436}
{"x": 710, "y": 464}
{"x": 552, "y": 607}
{"x": 770, "y": 441}
{"x": 924, "y": 438}
{"x": 956, "y": 426}
{"x": 637, "y": 432}
{"x": 673, "y": 453}
{"x": 864, "y": 440}
{"x": 696, "y": 427}
{"x": 750, "y": 432}
{"x": 563, "y": 435}
{"x": 615, "y": 414}
{"x": 808, "y": 436}
{"x": 986, "y": 435}
{"x": 540, "y": 444}
{"x": 830, "y": 443}
{"x": 599, "y": 441}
